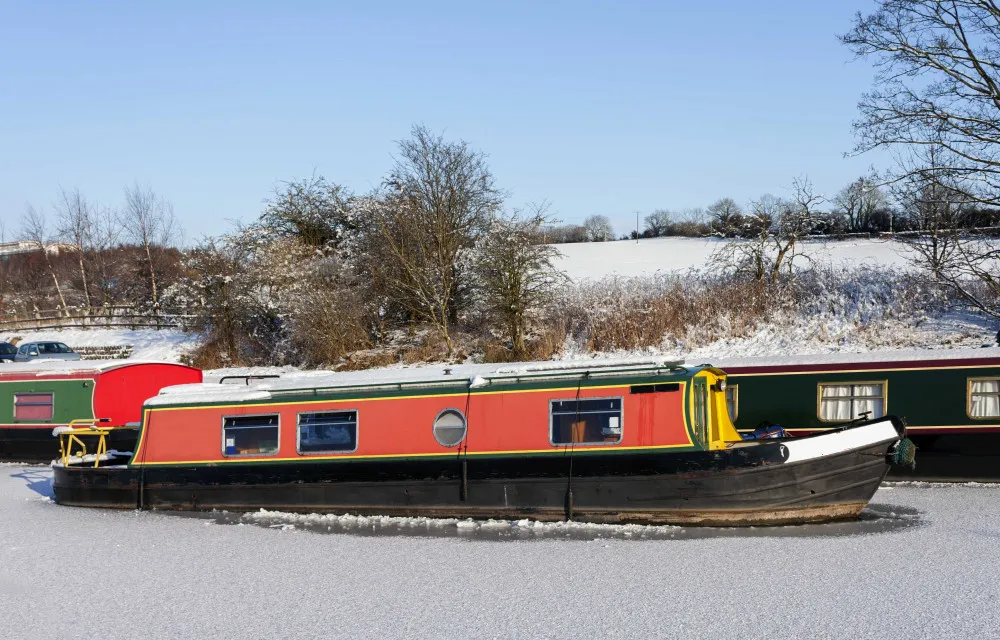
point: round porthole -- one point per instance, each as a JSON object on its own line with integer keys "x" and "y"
{"x": 449, "y": 427}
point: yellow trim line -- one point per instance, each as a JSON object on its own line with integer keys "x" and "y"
{"x": 561, "y": 449}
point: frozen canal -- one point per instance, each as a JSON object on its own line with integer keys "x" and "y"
{"x": 925, "y": 563}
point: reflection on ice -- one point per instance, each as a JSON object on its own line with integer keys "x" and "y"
{"x": 877, "y": 518}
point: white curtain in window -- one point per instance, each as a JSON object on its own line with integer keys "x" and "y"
{"x": 836, "y": 404}
{"x": 986, "y": 386}
{"x": 985, "y": 399}
{"x": 868, "y": 397}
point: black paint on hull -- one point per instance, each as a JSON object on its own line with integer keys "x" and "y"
{"x": 953, "y": 457}
{"x": 39, "y": 445}
{"x": 741, "y": 486}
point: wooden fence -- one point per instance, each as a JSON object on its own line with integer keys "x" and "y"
{"x": 118, "y": 317}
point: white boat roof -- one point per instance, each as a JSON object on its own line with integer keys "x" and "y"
{"x": 474, "y": 375}
{"x": 53, "y": 367}
{"x": 867, "y": 357}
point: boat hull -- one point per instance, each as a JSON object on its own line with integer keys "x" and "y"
{"x": 36, "y": 444}
{"x": 754, "y": 485}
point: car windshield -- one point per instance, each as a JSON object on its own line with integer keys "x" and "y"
{"x": 53, "y": 347}
{"x": 7, "y": 349}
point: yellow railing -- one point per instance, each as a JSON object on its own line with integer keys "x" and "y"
{"x": 71, "y": 437}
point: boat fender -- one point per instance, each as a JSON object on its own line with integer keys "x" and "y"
{"x": 904, "y": 454}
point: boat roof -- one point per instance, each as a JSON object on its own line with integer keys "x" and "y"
{"x": 473, "y": 376}
{"x": 867, "y": 357}
{"x": 42, "y": 367}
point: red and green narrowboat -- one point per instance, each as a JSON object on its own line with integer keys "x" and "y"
{"x": 647, "y": 442}
{"x": 949, "y": 400}
{"x": 37, "y": 397}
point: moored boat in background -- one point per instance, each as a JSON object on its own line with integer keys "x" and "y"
{"x": 948, "y": 398}
{"x": 647, "y": 442}
{"x": 39, "y": 396}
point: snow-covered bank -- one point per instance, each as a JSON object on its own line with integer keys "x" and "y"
{"x": 148, "y": 344}
{"x": 594, "y": 260}
{"x": 189, "y": 577}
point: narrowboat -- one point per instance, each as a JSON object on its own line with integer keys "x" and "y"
{"x": 40, "y": 396}
{"x": 606, "y": 442}
{"x": 948, "y": 398}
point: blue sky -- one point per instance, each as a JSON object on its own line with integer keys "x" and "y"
{"x": 597, "y": 107}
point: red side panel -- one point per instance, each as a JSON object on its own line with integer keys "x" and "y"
{"x": 120, "y": 392}
{"x": 498, "y": 422}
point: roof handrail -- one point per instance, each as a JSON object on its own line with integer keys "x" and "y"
{"x": 248, "y": 378}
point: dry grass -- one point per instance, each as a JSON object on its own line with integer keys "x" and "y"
{"x": 326, "y": 325}
{"x": 546, "y": 342}
{"x": 369, "y": 359}
{"x": 209, "y": 355}
{"x": 638, "y": 313}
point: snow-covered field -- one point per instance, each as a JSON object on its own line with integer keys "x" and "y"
{"x": 594, "y": 260}
{"x": 922, "y": 565}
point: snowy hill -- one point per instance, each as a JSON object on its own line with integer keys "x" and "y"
{"x": 594, "y": 260}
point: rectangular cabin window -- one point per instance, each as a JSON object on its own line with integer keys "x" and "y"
{"x": 33, "y": 406}
{"x": 328, "y": 432}
{"x": 733, "y": 401}
{"x": 984, "y": 398}
{"x": 586, "y": 421}
{"x": 250, "y": 435}
{"x": 847, "y": 401}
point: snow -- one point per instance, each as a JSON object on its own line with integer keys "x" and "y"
{"x": 429, "y": 375}
{"x": 922, "y": 565}
{"x": 594, "y": 260}
{"x": 902, "y": 356}
{"x": 42, "y": 368}
{"x": 148, "y": 344}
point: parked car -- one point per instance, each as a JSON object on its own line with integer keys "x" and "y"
{"x": 44, "y": 350}
{"x": 7, "y": 352}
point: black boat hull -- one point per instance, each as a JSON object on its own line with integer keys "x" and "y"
{"x": 953, "y": 458}
{"x": 39, "y": 445}
{"x": 740, "y": 486}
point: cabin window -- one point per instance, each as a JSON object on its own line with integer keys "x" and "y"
{"x": 733, "y": 401}
{"x": 984, "y": 397}
{"x": 33, "y": 406}
{"x": 449, "y": 427}
{"x": 847, "y": 401}
{"x": 587, "y": 421}
{"x": 250, "y": 435}
{"x": 328, "y": 432}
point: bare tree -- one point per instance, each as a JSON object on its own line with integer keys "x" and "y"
{"x": 515, "y": 275}
{"x": 656, "y": 223}
{"x": 753, "y": 255}
{"x": 599, "y": 229}
{"x": 726, "y": 216}
{"x": 106, "y": 239}
{"x": 148, "y": 221}
{"x": 772, "y": 228}
{"x": 858, "y": 202}
{"x": 439, "y": 198}
{"x": 34, "y": 228}
{"x": 795, "y": 220}
{"x": 937, "y": 84}
{"x": 931, "y": 208}
{"x": 75, "y": 226}
{"x": 4, "y": 271}
{"x": 313, "y": 210}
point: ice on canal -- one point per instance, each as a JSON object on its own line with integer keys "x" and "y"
{"x": 922, "y": 563}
